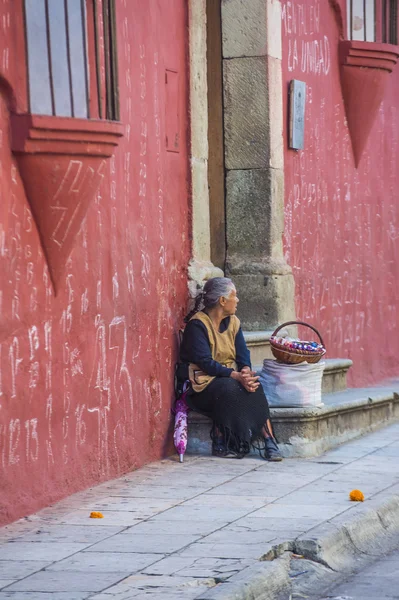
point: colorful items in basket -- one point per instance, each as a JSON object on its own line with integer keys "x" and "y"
{"x": 293, "y": 352}
{"x": 299, "y": 346}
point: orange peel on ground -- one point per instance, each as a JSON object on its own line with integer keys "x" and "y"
{"x": 356, "y": 496}
{"x": 96, "y": 515}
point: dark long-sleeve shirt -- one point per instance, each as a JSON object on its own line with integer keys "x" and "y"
{"x": 195, "y": 348}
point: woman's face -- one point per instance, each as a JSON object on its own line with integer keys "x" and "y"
{"x": 229, "y": 304}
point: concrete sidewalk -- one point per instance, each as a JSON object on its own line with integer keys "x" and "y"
{"x": 198, "y": 530}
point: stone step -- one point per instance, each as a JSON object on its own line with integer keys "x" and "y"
{"x": 258, "y": 343}
{"x": 343, "y": 416}
{"x": 310, "y": 431}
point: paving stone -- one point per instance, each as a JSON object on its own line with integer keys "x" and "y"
{"x": 191, "y": 482}
{"x": 270, "y": 481}
{"x": 229, "y": 550}
{"x": 299, "y": 465}
{"x": 273, "y": 524}
{"x": 376, "y": 479}
{"x": 158, "y": 526}
{"x": 169, "y": 565}
{"x": 5, "y": 582}
{"x": 380, "y": 467}
{"x": 10, "y": 532}
{"x": 5, "y": 595}
{"x": 351, "y": 470}
{"x": 70, "y": 533}
{"x": 141, "y": 508}
{"x": 251, "y": 461}
{"x": 328, "y": 486}
{"x": 111, "y": 517}
{"x": 151, "y": 543}
{"x": 106, "y": 562}
{"x": 220, "y": 568}
{"x": 17, "y": 569}
{"x": 237, "y": 487}
{"x": 221, "y": 466}
{"x": 213, "y": 501}
{"x": 68, "y": 581}
{"x": 157, "y": 587}
{"x": 391, "y": 451}
{"x": 367, "y": 484}
{"x": 309, "y": 496}
{"x": 146, "y": 477}
{"x": 289, "y": 511}
{"x": 294, "y": 467}
{"x": 203, "y": 513}
{"x": 226, "y": 535}
{"x": 153, "y": 594}
{"x": 38, "y": 551}
{"x": 204, "y": 479}
{"x": 154, "y": 491}
{"x": 343, "y": 452}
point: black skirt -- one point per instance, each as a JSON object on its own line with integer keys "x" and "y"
{"x": 238, "y": 415}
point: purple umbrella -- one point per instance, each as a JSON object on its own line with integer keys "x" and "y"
{"x": 180, "y": 432}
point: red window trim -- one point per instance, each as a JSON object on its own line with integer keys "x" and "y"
{"x": 41, "y": 134}
{"x": 32, "y": 133}
{"x": 20, "y": 84}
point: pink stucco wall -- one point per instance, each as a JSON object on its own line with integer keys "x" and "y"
{"x": 86, "y": 376}
{"x": 341, "y": 223}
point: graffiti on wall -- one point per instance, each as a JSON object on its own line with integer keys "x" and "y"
{"x": 86, "y": 377}
{"x": 308, "y": 49}
{"x": 340, "y": 222}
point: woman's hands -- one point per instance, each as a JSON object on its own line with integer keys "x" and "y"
{"x": 251, "y": 378}
{"x": 247, "y": 378}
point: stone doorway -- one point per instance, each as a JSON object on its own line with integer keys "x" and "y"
{"x": 254, "y": 161}
{"x": 237, "y": 155}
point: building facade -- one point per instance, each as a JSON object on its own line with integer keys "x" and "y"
{"x": 341, "y": 201}
{"x": 145, "y": 147}
{"x": 94, "y": 242}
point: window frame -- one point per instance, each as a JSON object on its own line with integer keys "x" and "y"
{"x": 101, "y": 80}
{"x": 390, "y": 28}
{"x": 386, "y": 29}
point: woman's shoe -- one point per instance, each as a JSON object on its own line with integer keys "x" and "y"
{"x": 218, "y": 449}
{"x": 221, "y": 450}
{"x": 272, "y": 451}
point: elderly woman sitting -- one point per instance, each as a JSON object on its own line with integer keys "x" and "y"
{"x": 223, "y": 385}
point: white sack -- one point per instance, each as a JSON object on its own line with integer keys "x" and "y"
{"x": 292, "y": 385}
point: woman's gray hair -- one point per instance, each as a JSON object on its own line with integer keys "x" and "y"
{"x": 215, "y": 288}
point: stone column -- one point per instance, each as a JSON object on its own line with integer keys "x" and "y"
{"x": 200, "y": 267}
{"x": 254, "y": 161}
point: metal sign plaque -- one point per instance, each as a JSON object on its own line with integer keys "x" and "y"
{"x": 297, "y": 114}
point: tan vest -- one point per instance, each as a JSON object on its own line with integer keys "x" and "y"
{"x": 223, "y": 349}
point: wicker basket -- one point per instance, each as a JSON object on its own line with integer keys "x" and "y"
{"x": 291, "y": 356}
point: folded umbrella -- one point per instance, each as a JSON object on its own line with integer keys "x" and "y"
{"x": 180, "y": 432}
